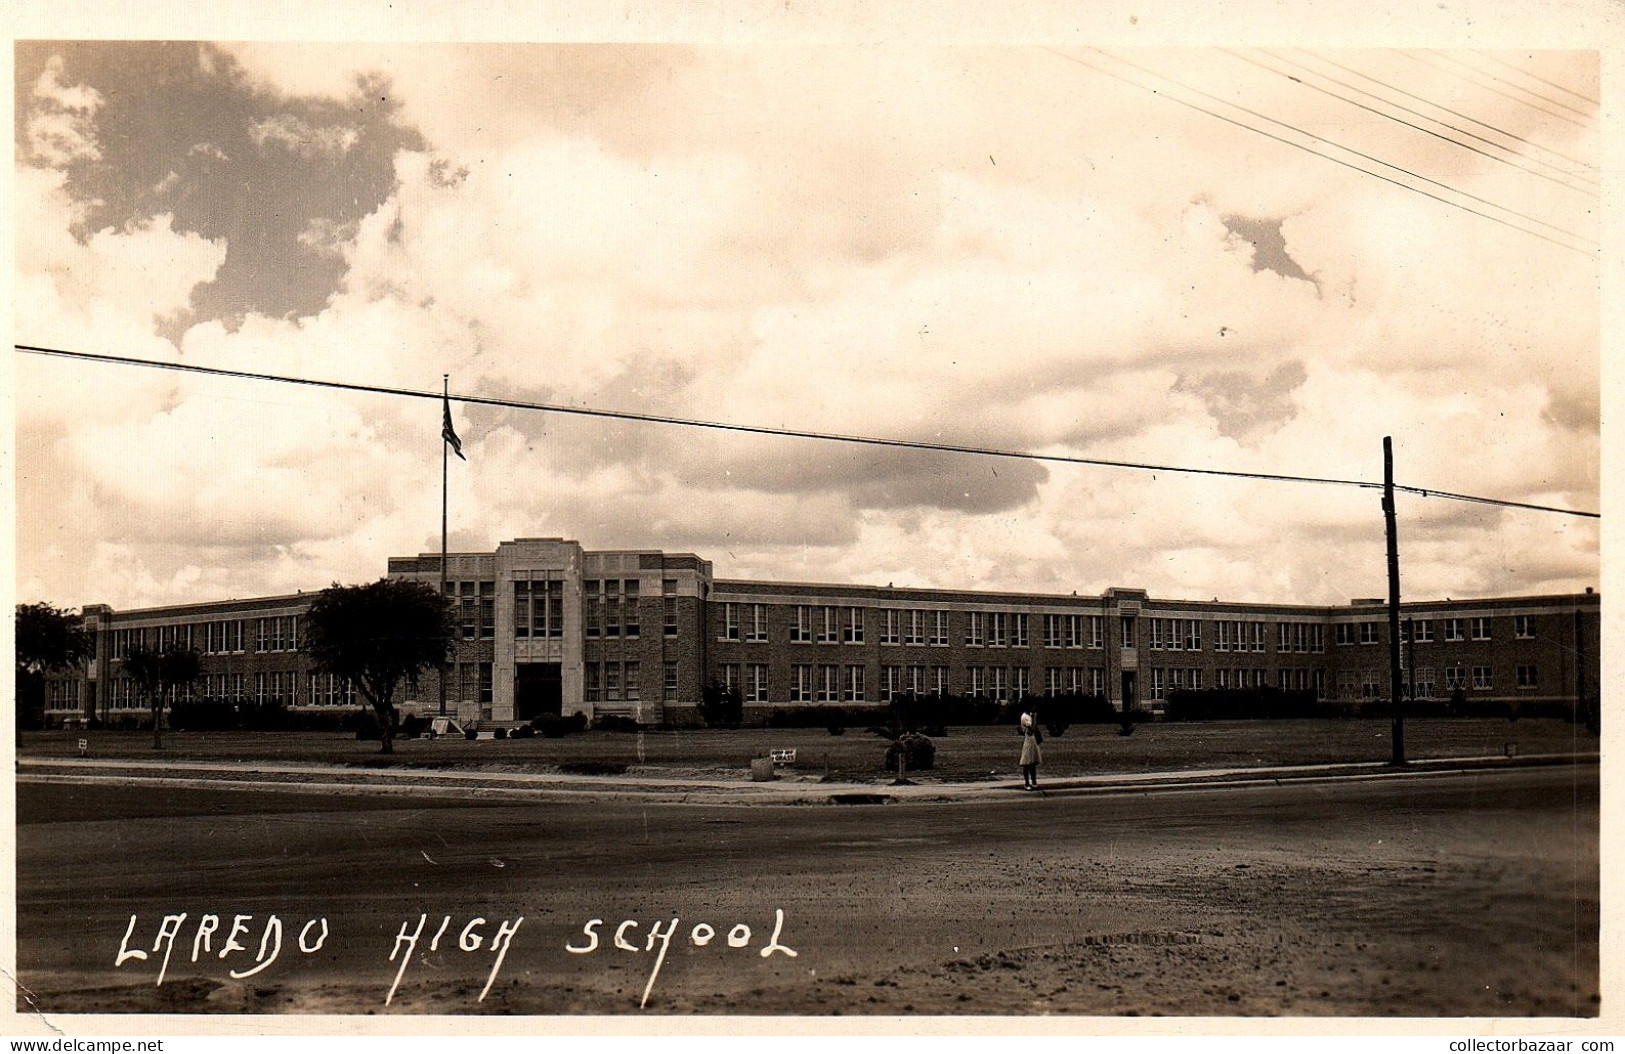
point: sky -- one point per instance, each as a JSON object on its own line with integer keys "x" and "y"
{"x": 1007, "y": 246}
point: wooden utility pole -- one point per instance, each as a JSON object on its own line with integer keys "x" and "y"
{"x": 1394, "y": 675}
{"x": 445, "y": 397}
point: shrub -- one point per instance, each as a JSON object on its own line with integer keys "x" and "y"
{"x": 918, "y": 753}
{"x": 364, "y": 723}
{"x": 471, "y": 734}
{"x": 614, "y": 723}
{"x": 501, "y": 733}
{"x": 412, "y": 726}
{"x": 721, "y": 705}
{"x": 1221, "y": 704}
{"x": 576, "y": 722}
{"x": 525, "y": 731}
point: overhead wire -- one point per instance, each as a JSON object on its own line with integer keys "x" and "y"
{"x": 1428, "y": 61}
{"x": 1516, "y": 87}
{"x": 1356, "y": 153}
{"x": 791, "y": 433}
{"x": 1310, "y": 150}
{"x": 1464, "y": 116}
{"x": 1425, "y": 117}
{"x": 1543, "y": 80}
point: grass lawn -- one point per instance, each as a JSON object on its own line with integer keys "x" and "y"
{"x": 964, "y": 754}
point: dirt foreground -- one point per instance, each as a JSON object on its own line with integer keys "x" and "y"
{"x": 1459, "y": 896}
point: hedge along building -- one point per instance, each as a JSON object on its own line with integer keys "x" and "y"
{"x": 545, "y": 626}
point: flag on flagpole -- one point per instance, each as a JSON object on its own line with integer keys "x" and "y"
{"x": 448, "y": 433}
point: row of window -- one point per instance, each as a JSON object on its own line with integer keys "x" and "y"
{"x": 1451, "y": 630}
{"x": 823, "y": 624}
{"x": 275, "y": 633}
{"x": 270, "y": 686}
{"x": 832, "y": 682}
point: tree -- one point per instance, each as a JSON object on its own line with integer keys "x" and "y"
{"x": 158, "y": 675}
{"x": 49, "y": 640}
{"x": 721, "y": 705}
{"x": 378, "y": 636}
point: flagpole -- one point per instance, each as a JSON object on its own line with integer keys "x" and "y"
{"x": 445, "y": 381}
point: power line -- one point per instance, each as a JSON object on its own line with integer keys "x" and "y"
{"x": 1348, "y": 149}
{"x": 1425, "y": 117}
{"x": 1317, "y": 153}
{"x": 1518, "y": 87}
{"x": 788, "y": 433}
{"x": 1426, "y": 61}
{"x": 1543, "y": 80}
{"x": 1466, "y": 117}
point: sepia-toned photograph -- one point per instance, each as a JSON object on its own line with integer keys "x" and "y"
{"x": 808, "y": 528}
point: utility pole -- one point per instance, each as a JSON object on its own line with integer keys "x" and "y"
{"x": 1394, "y": 675}
{"x": 445, "y": 396}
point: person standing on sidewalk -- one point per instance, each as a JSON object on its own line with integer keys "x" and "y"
{"x": 1031, "y": 755}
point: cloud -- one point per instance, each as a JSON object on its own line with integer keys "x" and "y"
{"x": 969, "y": 250}
{"x": 300, "y": 137}
{"x": 61, "y": 119}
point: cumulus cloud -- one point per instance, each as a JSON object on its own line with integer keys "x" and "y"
{"x": 61, "y": 119}
{"x": 969, "y": 251}
{"x": 303, "y": 138}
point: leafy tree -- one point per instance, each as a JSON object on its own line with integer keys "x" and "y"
{"x": 158, "y": 675}
{"x": 721, "y": 705}
{"x": 48, "y": 640}
{"x": 378, "y": 636}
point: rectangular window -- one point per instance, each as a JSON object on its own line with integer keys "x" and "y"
{"x": 1370, "y": 632}
{"x": 829, "y": 625}
{"x": 1097, "y": 631}
{"x": 1455, "y": 678}
{"x": 939, "y": 680}
{"x": 1453, "y": 629}
{"x": 632, "y": 588}
{"x": 668, "y": 587}
{"x": 1481, "y": 678}
{"x": 1523, "y": 627}
{"x": 668, "y": 617}
{"x": 1158, "y": 688}
{"x": 801, "y": 625}
{"x": 891, "y": 626}
{"x": 1423, "y": 630}
{"x": 978, "y": 682}
{"x": 634, "y": 681}
{"x": 852, "y": 628}
{"x": 730, "y": 621}
{"x": 1020, "y": 681}
{"x": 1480, "y": 628}
{"x": 801, "y": 683}
{"x": 1052, "y": 631}
{"x": 612, "y": 680}
{"x": 668, "y": 685}
{"x": 1000, "y": 682}
{"x": 914, "y": 627}
{"x": 976, "y": 629}
{"x": 756, "y": 682}
{"x": 998, "y": 629}
{"x": 829, "y": 683}
{"x": 852, "y": 685}
{"x": 1018, "y": 629}
{"x": 1344, "y": 633}
{"x": 939, "y": 629}
{"x": 1126, "y": 623}
{"x": 631, "y": 624}
{"x": 1528, "y": 676}
{"x": 755, "y": 623}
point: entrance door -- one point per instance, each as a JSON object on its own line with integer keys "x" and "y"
{"x": 538, "y": 689}
{"x": 1131, "y": 698}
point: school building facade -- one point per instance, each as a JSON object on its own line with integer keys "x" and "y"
{"x": 546, "y": 626}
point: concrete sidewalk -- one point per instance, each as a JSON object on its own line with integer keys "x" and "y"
{"x": 790, "y": 788}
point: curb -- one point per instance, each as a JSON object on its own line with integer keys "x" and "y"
{"x": 528, "y": 787}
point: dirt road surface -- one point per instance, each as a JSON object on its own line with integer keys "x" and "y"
{"x": 1470, "y": 895}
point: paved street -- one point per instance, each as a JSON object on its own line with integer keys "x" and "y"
{"x": 1455, "y": 895}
